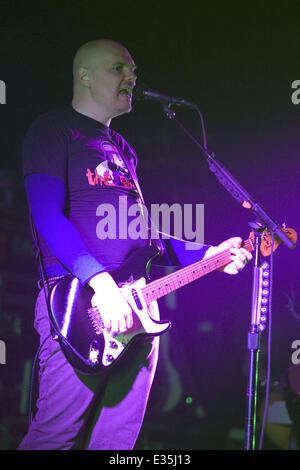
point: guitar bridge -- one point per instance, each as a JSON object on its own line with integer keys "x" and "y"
{"x": 96, "y": 320}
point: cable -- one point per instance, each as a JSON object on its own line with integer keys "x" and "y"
{"x": 34, "y": 364}
{"x": 33, "y": 372}
{"x": 269, "y": 350}
{"x": 203, "y": 127}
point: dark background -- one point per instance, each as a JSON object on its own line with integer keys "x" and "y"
{"x": 237, "y": 61}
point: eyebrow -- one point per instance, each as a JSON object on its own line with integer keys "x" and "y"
{"x": 126, "y": 64}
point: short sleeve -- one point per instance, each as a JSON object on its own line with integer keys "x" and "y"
{"x": 45, "y": 148}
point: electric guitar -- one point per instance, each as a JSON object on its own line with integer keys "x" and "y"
{"x": 78, "y": 326}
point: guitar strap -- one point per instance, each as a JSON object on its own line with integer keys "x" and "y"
{"x": 44, "y": 279}
{"x": 156, "y": 241}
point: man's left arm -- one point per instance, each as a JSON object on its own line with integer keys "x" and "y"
{"x": 181, "y": 253}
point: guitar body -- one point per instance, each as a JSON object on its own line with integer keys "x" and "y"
{"x": 79, "y": 328}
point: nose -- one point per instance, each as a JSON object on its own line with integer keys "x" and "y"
{"x": 131, "y": 75}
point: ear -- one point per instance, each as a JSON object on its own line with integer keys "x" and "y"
{"x": 83, "y": 77}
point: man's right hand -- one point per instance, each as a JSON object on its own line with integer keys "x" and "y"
{"x": 114, "y": 309}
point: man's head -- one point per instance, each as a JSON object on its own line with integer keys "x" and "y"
{"x": 103, "y": 73}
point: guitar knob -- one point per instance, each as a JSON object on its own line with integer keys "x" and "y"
{"x": 113, "y": 345}
{"x": 109, "y": 358}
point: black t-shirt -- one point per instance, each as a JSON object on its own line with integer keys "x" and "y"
{"x": 88, "y": 157}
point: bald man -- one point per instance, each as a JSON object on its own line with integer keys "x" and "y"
{"x": 73, "y": 162}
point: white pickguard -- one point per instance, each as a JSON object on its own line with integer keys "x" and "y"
{"x": 142, "y": 322}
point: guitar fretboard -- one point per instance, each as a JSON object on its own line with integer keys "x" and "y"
{"x": 163, "y": 286}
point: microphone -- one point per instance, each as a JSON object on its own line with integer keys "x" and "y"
{"x": 142, "y": 93}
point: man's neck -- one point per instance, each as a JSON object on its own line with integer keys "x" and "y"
{"x": 91, "y": 112}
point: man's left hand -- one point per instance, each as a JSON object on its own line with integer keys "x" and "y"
{"x": 240, "y": 256}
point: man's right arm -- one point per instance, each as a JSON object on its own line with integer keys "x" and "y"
{"x": 46, "y": 196}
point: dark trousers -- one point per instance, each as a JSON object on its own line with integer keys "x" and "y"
{"x": 76, "y": 411}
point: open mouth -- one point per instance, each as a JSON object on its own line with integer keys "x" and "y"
{"x": 126, "y": 92}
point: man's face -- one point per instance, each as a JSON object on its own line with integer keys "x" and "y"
{"x": 112, "y": 81}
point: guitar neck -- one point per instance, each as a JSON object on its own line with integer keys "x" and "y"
{"x": 163, "y": 286}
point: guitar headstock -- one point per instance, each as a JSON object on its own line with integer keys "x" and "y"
{"x": 266, "y": 240}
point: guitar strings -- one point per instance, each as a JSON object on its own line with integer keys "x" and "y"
{"x": 168, "y": 283}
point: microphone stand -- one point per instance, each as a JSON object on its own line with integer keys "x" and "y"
{"x": 263, "y": 221}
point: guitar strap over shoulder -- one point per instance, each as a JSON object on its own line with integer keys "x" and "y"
{"x": 151, "y": 226}
{"x": 44, "y": 281}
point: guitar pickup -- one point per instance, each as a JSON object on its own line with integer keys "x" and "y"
{"x": 137, "y": 299}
